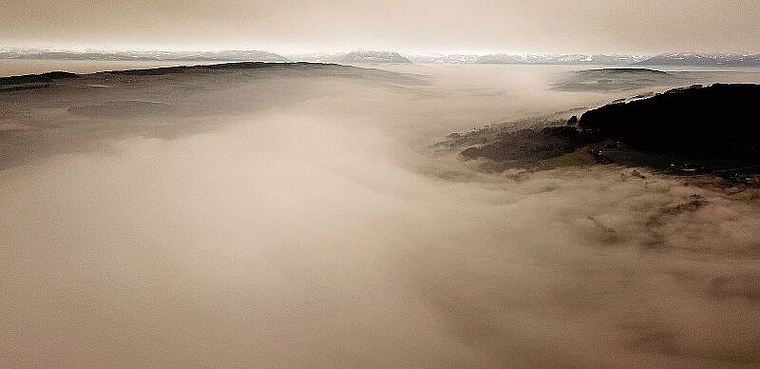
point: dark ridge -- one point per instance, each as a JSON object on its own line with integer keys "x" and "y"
{"x": 254, "y": 65}
{"x": 302, "y": 68}
{"x": 182, "y": 69}
{"x": 150, "y": 72}
{"x": 221, "y": 66}
{"x": 529, "y": 146}
{"x": 28, "y": 86}
{"x": 623, "y": 70}
{"x": 720, "y": 121}
{"x": 615, "y": 79}
{"x": 36, "y": 78}
{"x": 686, "y": 131}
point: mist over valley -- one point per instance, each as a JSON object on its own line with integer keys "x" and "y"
{"x": 297, "y": 214}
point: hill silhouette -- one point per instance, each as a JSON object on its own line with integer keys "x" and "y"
{"x": 719, "y": 121}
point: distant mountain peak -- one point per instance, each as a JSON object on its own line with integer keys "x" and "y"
{"x": 569, "y": 59}
{"x": 135, "y": 55}
{"x": 438, "y": 58}
{"x": 367, "y": 56}
{"x": 698, "y": 59}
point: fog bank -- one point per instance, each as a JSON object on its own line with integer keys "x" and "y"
{"x": 301, "y": 221}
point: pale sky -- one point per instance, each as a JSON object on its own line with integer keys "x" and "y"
{"x": 290, "y": 26}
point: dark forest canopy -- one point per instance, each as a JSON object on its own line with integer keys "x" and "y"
{"x": 719, "y": 120}
{"x": 687, "y": 130}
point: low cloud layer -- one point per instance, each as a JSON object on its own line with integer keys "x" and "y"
{"x": 319, "y": 234}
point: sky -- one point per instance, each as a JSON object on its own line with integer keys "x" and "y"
{"x": 292, "y": 26}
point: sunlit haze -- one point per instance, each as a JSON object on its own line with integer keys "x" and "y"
{"x": 288, "y": 26}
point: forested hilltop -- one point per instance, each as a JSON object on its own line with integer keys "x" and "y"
{"x": 697, "y": 129}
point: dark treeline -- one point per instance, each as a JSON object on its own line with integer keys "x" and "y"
{"x": 719, "y": 121}
{"x": 529, "y": 146}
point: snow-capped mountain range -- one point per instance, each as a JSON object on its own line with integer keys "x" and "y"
{"x": 229, "y": 55}
{"x": 596, "y": 59}
{"x": 317, "y": 57}
{"x": 703, "y": 60}
{"x": 363, "y": 56}
{"x": 436, "y": 58}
